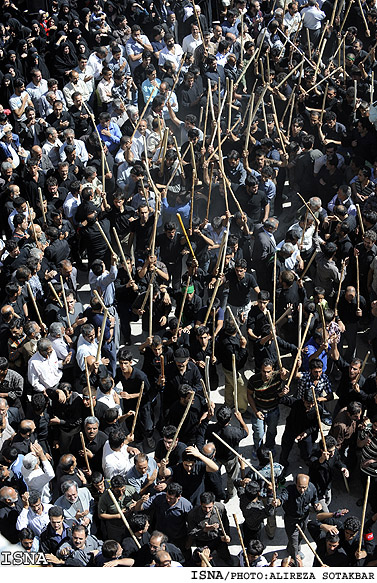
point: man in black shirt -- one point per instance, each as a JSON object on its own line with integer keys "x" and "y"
{"x": 141, "y": 230}
{"x": 180, "y": 372}
{"x": 241, "y": 284}
{"x": 321, "y": 466}
{"x": 171, "y": 245}
{"x": 296, "y": 500}
{"x": 230, "y": 343}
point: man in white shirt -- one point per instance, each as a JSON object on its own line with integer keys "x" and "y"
{"x": 292, "y": 19}
{"x": 193, "y": 40}
{"x": 44, "y": 370}
{"x": 71, "y": 203}
{"x": 34, "y": 514}
{"x": 36, "y": 88}
{"x": 312, "y": 18}
{"x": 172, "y": 53}
{"x": 37, "y": 471}
{"x": 86, "y": 74}
{"x": 115, "y": 458}
{"x": 96, "y": 61}
{"x": 75, "y": 84}
{"x": 81, "y": 151}
{"x": 20, "y": 100}
{"x": 86, "y": 345}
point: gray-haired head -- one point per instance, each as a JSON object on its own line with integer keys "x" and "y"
{"x": 91, "y": 421}
{"x": 67, "y": 485}
{"x": 30, "y": 461}
{"x": 56, "y": 330}
{"x": 315, "y": 203}
{"x": 44, "y": 344}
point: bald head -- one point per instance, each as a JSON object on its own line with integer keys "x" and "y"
{"x": 209, "y": 449}
{"x": 9, "y": 496}
{"x": 302, "y": 483}
{"x": 163, "y": 559}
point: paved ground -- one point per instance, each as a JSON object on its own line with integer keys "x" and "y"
{"x": 340, "y": 497}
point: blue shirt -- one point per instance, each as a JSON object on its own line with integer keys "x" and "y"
{"x": 111, "y": 142}
{"x": 183, "y": 210}
{"x": 138, "y": 481}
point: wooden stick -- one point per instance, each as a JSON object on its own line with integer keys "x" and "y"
{"x": 32, "y": 223}
{"x": 235, "y": 383}
{"x": 219, "y": 519}
{"x": 324, "y": 102}
{"x": 345, "y": 16}
{"x": 209, "y": 191}
{"x": 124, "y": 519}
{"x": 274, "y": 291}
{"x": 84, "y": 450}
{"x": 163, "y": 147}
{"x": 272, "y": 475}
{"x": 308, "y": 43}
{"x": 291, "y": 113}
{"x": 372, "y": 89}
{"x": 137, "y": 407}
{"x": 346, "y": 482}
{"x": 299, "y": 351}
{"x": 291, "y": 72}
{"x": 246, "y": 67}
{"x": 205, "y": 120}
{"x": 205, "y": 560}
{"x": 241, "y": 541}
{"x": 234, "y": 321}
{"x": 106, "y": 239}
{"x": 277, "y": 125}
{"x": 249, "y": 121}
{"x": 310, "y": 546}
{"x": 323, "y": 322}
{"x": 363, "y": 366}
{"x": 339, "y": 287}
{"x": 55, "y": 294}
{"x": 286, "y": 313}
{"x": 178, "y": 153}
{"x": 213, "y": 333}
{"x": 273, "y": 331}
{"x": 150, "y": 315}
{"x": 180, "y": 426}
{"x": 206, "y": 374}
{"x": 205, "y": 392}
{"x": 95, "y": 293}
{"x": 41, "y": 204}
{"x": 210, "y": 99}
{"x": 319, "y": 419}
{"x": 124, "y": 261}
{"x": 103, "y": 169}
{"x": 364, "y": 512}
{"x": 103, "y": 326}
{"x": 35, "y": 305}
{"x": 242, "y": 39}
{"x": 186, "y": 236}
{"x": 333, "y": 13}
{"x": 91, "y": 115}
{"x": 230, "y": 97}
{"x": 154, "y": 231}
{"x": 240, "y": 457}
{"x": 308, "y": 265}
{"x": 299, "y": 323}
{"x": 357, "y": 282}
{"x": 89, "y": 386}
{"x": 322, "y": 80}
{"x": 367, "y": 31}
{"x": 176, "y": 168}
{"x": 360, "y": 219}
{"x": 141, "y": 117}
{"x": 65, "y": 302}
{"x": 182, "y": 306}
{"x": 148, "y": 290}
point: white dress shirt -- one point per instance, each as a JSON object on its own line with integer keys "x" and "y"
{"x": 37, "y": 522}
{"x": 44, "y": 373}
{"x": 84, "y": 349}
{"x": 115, "y": 463}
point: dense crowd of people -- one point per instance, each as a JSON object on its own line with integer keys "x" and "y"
{"x": 153, "y": 153}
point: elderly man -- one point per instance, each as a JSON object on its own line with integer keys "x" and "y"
{"x": 87, "y": 345}
{"x": 37, "y": 471}
{"x": 77, "y": 504}
{"x": 44, "y": 370}
{"x": 296, "y": 500}
{"x": 10, "y": 508}
{"x": 34, "y": 514}
{"x": 94, "y": 441}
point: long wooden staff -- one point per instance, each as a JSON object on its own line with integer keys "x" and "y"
{"x": 32, "y": 224}
{"x": 148, "y": 291}
{"x": 124, "y": 519}
{"x": 213, "y": 333}
{"x": 273, "y": 331}
{"x": 324, "y": 102}
{"x": 89, "y": 386}
{"x": 323, "y": 322}
{"x": 291, "y": 112}
{"x": 35, "y": 305}
{"x": 186, "y": 236}
{"x": 234, "y": 321}
{"x": 41, "y": 204}
{"x": 274, "y": 291}
{"x": 124, "y": 261}
{"x": 357, "y": 282}
{"x": 103, "y": 326}
{"x": 286, "y": 313}
{"x": 333, "y": 13}
{"x": 222, "y": 254}
{"x": 55, "y": 294}
{"x": 91, "y": 115}
{"x": 246, "y": 68}
{"x": 235, "y": 383}
{"x": 204, "y": 559}
{"x": 272, "y": 472}
{"x": 219, "y": 519}
{"x": 84, "y": 450}
{"x": 339, "y": 287}
{"x": 95, "y": 292}
{"x": 360, "y": 219}
{"x": 240, "y": 457}
{"x": 310, "y": 546}
{"x": 364, "y": 512}
{"x": 150, "y": 315}
{"x": 367, "y": 31}
{"x": 180, "y": 426}
{"x": 288, "y": 76}
{"x": 205, "y": 121}
{"x": 299, "y": 350}
{"x": 154, "y": 231}
{"x": 209, "y": 190}
{"x": 308, "y": 265}
{"x": 241, "y": 540}
{"x": 249, "y": 121}
{"x": 106, "y": 239}
{"x": 299, "y": 323}
{"x": 206, "y": 374}
{"x": 205, "y": 392}
{"x": 65, "y": 302}
{"x": 363, "y": 366}
{"x": 324, "y": 79}
{"x": 277, "y": 124}
{"x": 182, "y": 306}
{"x": 137, "y": 408}
{"x": 319, "y": 419}
{"x": 141, "y": 116}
